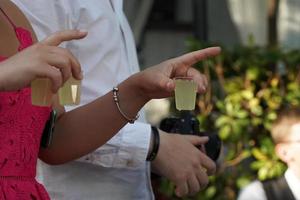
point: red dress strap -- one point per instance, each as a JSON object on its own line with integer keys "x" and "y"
{"x": 8, "y": 18}
{"x": 24, "y": 36}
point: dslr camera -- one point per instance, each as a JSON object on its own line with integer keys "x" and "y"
{"x": 188, "y": 124}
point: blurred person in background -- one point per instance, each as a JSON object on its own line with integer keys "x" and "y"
{"x": 121, "y": 168}
{"x": 286, "y": 135}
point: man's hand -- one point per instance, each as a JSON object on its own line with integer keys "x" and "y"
{"x": 180, "y": 161}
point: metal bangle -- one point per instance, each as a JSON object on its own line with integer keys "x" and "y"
{"x": 116, "y": 100}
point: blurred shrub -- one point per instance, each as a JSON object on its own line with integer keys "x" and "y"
{"x": 248, "y": 86}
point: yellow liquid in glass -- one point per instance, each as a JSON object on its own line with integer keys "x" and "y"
{"x": 70, "y": 93}
{"x": 185, "y": 94}
{"x": 41, "y": 94}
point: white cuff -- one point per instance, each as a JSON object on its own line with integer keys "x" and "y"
{"x": 128, "y": 149}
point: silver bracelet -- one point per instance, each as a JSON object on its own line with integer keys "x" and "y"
{"x": 116, "y": 100}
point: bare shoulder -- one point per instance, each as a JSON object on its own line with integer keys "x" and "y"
{"x": 16, "y": 15}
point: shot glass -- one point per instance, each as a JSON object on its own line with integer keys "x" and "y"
{"x": 185, "y": 93}
{"x": 69, "y": 93}
{"x": 41, "y": 94}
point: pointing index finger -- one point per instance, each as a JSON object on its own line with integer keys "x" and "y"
{"x": 190, "y": 59}
{"x": 62, "y": 36}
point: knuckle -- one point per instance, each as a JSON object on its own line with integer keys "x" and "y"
{"x": 67, "y": 62}
{"x": 57, "y": 34}
{"x": 179, "y": 178}
{"x": 195, "y": 162}
{"x": 57, "y": 78}
{"x": 39, "y": 55}
{"x": 56, "y": 74}
{"x": 67, "y": 76}
{"x": 38, "y": 46}
{"x": 212, "y": 168}
{"x": 60, "y": 51}
{"x": 65, "y": 52}
{"x": 38, "y": 49}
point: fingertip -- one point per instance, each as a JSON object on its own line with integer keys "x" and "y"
{"x": 80, "y": 76}
{"x": 202, "y": 89}
{"x": 170, "y": 86}
{"x": 201, "y": 139}
{"x": 215, "y": 48}
{"x": 77, "y": 73}
{"x": 205, "y": 138}
{"x": 218, "y": 48}
{"x": 83, "y": 32}
{"x": 177, "y": 192}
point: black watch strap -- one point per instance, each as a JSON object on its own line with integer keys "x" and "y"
{"x": 156, "y": 142}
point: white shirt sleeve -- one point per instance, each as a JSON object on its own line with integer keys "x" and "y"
{"x": 253, "y": 191}
{"x": 129, "y": 148}
{"x": 103, "y": 55}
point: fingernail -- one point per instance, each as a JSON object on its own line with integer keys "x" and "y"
{"x": 205, "y": 138}
{"x": 81, "y": 75}
{"x": 83, "y": 31}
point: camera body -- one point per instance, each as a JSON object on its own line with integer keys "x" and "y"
{"x": 188, "y": 124}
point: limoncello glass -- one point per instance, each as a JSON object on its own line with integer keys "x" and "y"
{"x": 185, "y": 93}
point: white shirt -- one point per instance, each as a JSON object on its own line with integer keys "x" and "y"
{"x": 255, "y": 190}
{"x": 118, "y": 169}
{"x": 289, "y": 24}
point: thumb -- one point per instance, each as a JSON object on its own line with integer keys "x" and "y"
{"x": 196, "y": 140}
{"x": 170, "y": 85}
{"x": 165, "y": 83}
{"x": 57, "y": 38}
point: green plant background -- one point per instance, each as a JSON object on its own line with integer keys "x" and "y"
{"x": 248, "y": 86}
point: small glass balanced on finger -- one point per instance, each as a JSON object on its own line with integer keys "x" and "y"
{"x": 185, "y": 93}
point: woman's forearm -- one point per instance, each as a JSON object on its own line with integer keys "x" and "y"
{"x": 84, "y": 129}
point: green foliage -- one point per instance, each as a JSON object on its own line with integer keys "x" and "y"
{"x": 248, "y": 87}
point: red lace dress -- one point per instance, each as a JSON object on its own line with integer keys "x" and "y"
{"x": 21, "y": 127}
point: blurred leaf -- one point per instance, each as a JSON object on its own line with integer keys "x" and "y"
{"x": 224, "y": 132}
{"x": 263, "y": 173}
{"x": 258, "y": 154}
{"x": 252, "y": 73}
{"x": 243, "y": 181}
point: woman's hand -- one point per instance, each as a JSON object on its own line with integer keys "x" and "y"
{"x": 157, "y": 81}
{"x": 42, "y": 60}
